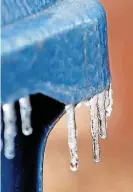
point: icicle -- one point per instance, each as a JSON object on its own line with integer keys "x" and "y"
{"x": 102, "y": 114}
{"x": 72, "y": 137}
{"x": 10, "y": 130}
{"x": 25, "y": 111}
{"x": 109, "y": 101}
{"x": 94, "y": 128}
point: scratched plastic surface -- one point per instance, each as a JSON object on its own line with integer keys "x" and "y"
{"x": 60, "y": 52}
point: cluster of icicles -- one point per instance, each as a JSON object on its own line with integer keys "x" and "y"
{"x": 100, "y": 107}
{"x": 10, "y": 130}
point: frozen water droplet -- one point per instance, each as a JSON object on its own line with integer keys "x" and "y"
{"x": 10, "y": 130}
{"x": 74, "y": 166}
{"x": 72, "y": 136}
{"x": 94, "y": 127}
{"x": 25, "y": 111}
{"x": 102, "y": 114}
{"x": 109, "y": 101}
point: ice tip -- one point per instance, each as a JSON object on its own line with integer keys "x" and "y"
{"x": 6, "y": 107}
{"x": 27, "y": 131}
{"x": 103, "y": 136}
{"x": 9, "y": 156}
{"x": 9, "y": 153}
{"x": 74, "y": 167}
{"x": 96, "y": 159}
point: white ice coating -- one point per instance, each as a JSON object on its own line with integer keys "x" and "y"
{"x": 10, "y": 131}
{"x": 94, "y": 127}
{"x": 72, "y": 136}
{"x": 25, "y": 111}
